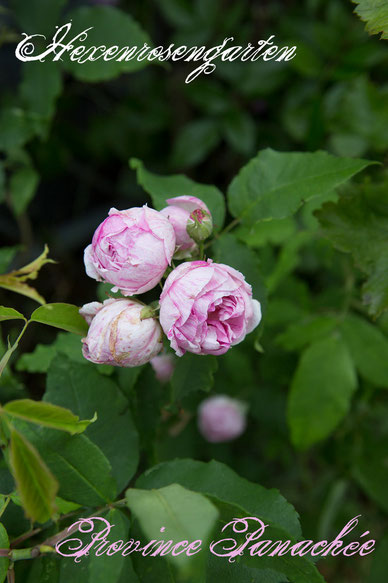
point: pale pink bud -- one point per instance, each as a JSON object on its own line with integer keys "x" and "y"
{"x": 206, "y": 308}
{"x": 118, "y": 336}
{"x": 131, "y": 249}
{"x": 178, "y": 213}
{"x": 163, "y": 366}
{"x": 221, "y": 418}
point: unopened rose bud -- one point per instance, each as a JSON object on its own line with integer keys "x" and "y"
{"x": 221, "y": 418}
{"x": 178, "y": 213}
{"x": 163, "y": 366}
{"x": 131, "y": 249}
{"x": 118, "y": 336}
{"x": 199, "y": 225}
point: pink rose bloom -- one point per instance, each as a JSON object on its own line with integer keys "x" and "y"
{"x": 118, "y": 336}
{"x": 221, "y": 418}
{"x": 178, "y": 213}
{"x": 163, "y": 366}
{"x": 206, "y": 308}
{"x": 131, "y": 249}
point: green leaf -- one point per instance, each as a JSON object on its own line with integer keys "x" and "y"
{"x": 111, "y": 27}
{"x": 185, "y": 515}
{"x": 378, "y": 570}
{"x": 308, "y": 330}
{"x": 193, "y": 373}
{"x": 81, "y": 388}
{"x": 82, "y": 470}
{"x": 41, "y": 85}
{"x": 10, "y": 314}
{"x": 222, "y": 484}
{"x": 47, "y": 415}
{"x": 35, "y": 483}
{"x": 274, "y": 184}
{"x": 240, "y": 131}
{"x": 38, "y": 360}
{"x": 235, "y": 496}
{"x": 369, "y": 349}
{"x": 44, "y": 569}
{"x": 375, "y": 14}
{"x": 321, "y": 390}
{"x": 101, "y": 571}
{"x": 371, "y": 470}
{"x": 194, "y": 142}
{"x": 64, "y": 316}
{"x": 23, "y": 185}
{"x": 162, "y": 187}
{"x": 18, "y": 126}
{"x": 221, "y": 570}
{"x": 358, "y": 224}
{"x": 288, "y": 259}
{"x": 4, "y": 544}
{"x": 37, "y": 16}
{"x": 275, "y": 232}
{"x": 41, "y": 357}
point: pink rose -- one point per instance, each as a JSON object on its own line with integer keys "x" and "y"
{"x": 221, "y": 418}
{"x": 118, "y": 336}
{"x": 163, "y": 366}
{"x": 206, "y": 308}
{"x": 178, "y": 213}
{"x": 131, "y": 249}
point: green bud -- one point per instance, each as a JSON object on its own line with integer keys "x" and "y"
{"x": 199, "y": 225}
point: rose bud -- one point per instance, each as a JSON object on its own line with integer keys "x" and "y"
{"x": 131, "y": 249}
{"x": 118, "y": 336}
{"x": 206, "y": 308}
{"x": 199, "y": 225}
{"x": 163, "y": 366}
{"x": 178, "y": 213}
{"x": 221, "y": 418}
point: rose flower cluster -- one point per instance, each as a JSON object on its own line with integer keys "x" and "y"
{"x": 204, "y": 307}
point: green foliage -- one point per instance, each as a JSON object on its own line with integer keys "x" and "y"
{"x": 4, "y": 562}
{"x": 23, "y": 185}
{"x": 46, "y": 415}
{"x": 81, "y": 388}
{"x": 36, "y": 484}
{"x": 318, "y": 402}
{"x": 273, "y": 185}
{"x": 63, "y": 316}
{"x": 222, "y": 485}
{"x": 369, "y": 349}
{"x": 370, "y": 469}
{"x": 193, "y": 373}
{"x": 120, "y": 29}
{"x": 10, "y": 314}
{"x": 375, "y": 14}
{"x": 357, "y": 224}
{"x": 183, "y": 515}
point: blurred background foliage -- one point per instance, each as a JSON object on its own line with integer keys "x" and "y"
{"x": 66, "y": 135}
